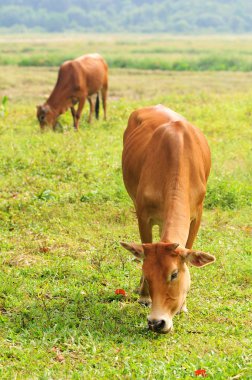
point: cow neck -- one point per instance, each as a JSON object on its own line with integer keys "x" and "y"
{"x": 58, "y": 99}
{"x": 53, "y": 106}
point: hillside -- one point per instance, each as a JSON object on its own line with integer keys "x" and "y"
{"x": 145, "y": 16}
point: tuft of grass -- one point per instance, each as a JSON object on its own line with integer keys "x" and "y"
{"x": 208, "y": 63}
{"x": 228, "y": 195}
{"x": 45, "y": 195}
{"x": 44, "y": 60}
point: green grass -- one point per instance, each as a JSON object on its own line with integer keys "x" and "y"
{"x": 143, "y": 52}
{"x": 64, "y": 209}
{"x": 208, "y": 63}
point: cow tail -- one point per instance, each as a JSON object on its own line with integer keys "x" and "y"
{"x": 97, "y": 106}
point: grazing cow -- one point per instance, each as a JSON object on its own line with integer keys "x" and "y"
{"x": 78, "y": 80}
{"x": 166, "y": 162}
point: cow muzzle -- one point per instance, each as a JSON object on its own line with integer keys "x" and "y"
{"x": 160, "y": 325}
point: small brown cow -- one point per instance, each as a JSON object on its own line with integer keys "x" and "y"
{"x": 166, "y": 162}
{"x": 78, "y": 80}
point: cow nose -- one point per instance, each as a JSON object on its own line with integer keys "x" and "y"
{"x": 156, "y": 325}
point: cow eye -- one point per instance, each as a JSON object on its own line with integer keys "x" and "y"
{"x": 174, "y": 275}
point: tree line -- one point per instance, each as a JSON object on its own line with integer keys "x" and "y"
{"x": 144, "y": 16}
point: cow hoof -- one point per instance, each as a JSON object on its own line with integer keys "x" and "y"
{"x": 145, "y": 301}
{"x": 136, "y": 291}
{"x": 183, "y": 309}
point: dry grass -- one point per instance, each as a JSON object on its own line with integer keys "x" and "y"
{"x": 36, "y": 83}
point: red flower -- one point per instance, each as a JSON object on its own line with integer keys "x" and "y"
{"x": 120, "y": 291}
{"x": 200, "y": 372}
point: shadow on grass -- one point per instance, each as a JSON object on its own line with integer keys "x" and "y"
{"x": 110, "y": 320}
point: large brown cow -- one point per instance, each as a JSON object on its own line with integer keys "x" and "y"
{"x": 78, "y": 80}
{"x": 166, "y": 162}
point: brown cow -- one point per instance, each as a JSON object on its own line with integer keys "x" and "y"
{"x": 166, "y": 162}
{"x": 77, "y": 81}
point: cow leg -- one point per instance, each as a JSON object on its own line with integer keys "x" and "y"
{"x": 184, "y": 308}
{"x": 145, "y": 230}
{"x": 73, "y": 112}
{"x": 104, "y": 93}
{"x": 194, "y": 227}
{"x": 143, "y": 291}
{"x": 91, "y": 104}
{"x": 78, "y": 113}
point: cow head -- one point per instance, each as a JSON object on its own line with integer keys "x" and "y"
{"x": 46, "y": 116}
{"x": 165, "y": 269}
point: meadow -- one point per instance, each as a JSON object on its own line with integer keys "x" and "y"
{"x": 161, "y": 52}
{"x": 64, "y": 210}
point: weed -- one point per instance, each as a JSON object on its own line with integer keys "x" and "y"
{"x": 3, "y": 106}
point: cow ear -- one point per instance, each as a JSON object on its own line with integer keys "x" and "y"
{"x": 45, "y": 109}
{"x": 136, "y": 249}
{"x": 198, "y": 258}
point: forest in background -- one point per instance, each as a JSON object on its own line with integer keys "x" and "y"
{"x": 134, "y": 16}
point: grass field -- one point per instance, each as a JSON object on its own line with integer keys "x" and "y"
{"x": 64, "y": 210}
{"x": 160, "y": 52}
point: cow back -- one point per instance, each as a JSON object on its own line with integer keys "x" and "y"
{"x": 160, "y": 146}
